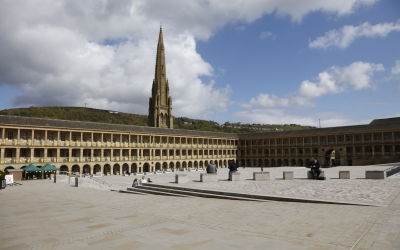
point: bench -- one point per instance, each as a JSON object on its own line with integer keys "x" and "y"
{"x": 288, "y": 175}
{"x": 375, "y": 174}
{"x": 261, "y": 176}
{"x": 181, "y": 178}
{"x": 344, "y": 174}
{"x": 234, "y": 176}
{"x": 321, "y": 175}
{"x": 204, "y": 177}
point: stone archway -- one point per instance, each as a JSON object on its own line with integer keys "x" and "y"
{"x": 146, "y": 167}
{"x": 285, "y": 162}
{"x": 165, "y": 166}
{"x": 96, "y": 169}
{"x": 171, "y": 165}
{"x": 279, "y": 163}
{"x": 125, "y": 168}
{"x": 178, "y": 166}
{"x": 64, "y": 169}
{"x": 300, "y": 163}
{"x": 134, "y": 168}
{"x": 76, "y": 169}
{"x": 184, "y": 165}
{"x": 158, "y": 166}
{"x": 107, "y": 169}
{"x": 7, "y": 168}
{"x": 116, "y": 169}
{"x": 292, "y": 162}
{"x": 266, "y": 162}
{"x": 86, "y": 169}
{"x": 332, "y": 158}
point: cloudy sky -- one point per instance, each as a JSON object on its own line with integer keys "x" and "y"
{"x": 253, "y": 61}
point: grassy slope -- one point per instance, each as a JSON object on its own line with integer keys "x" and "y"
{"x": 105, "y": 116}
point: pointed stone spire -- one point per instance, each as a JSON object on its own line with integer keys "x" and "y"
{"x": 160, "y": 103}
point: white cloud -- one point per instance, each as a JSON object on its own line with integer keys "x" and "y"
{"x": 347, "y": 34}
{"x": 103, "y": 52}
{"x": 267, "y": 35}
{"x": 266, "y": 108}
{"x": 284, "y": 116}
{"x": 396, "y": 68}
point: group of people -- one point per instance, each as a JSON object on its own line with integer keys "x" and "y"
{"x": 139, "y": 182}
{"x": 212, "y": 168}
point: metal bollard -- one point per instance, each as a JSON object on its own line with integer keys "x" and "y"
{"x": 55, "y": 178}
{"x": 76, "y": 181}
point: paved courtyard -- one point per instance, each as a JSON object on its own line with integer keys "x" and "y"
{"x": 44, "y": 215}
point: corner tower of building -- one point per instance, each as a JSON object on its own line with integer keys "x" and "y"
{"x": 160, "y": 103}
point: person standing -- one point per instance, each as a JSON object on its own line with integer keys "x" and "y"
{"x": 211, "y": 168}
{"x": 315, "y": 169}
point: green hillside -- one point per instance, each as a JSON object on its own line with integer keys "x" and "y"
{"x": 107, "y": 116}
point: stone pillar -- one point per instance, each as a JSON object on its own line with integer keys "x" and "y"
{"x": 18, "y": 135}
{"x": 58, "y": 154}
{"x": 45, "y": 135}
{"x": 32, "y": 154}
{"x": 2, "y": 153}
{"x": 69, "y": 154}
{"x": 17, "y": 153}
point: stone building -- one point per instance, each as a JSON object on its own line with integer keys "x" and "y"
{"x": 88, "y": 147}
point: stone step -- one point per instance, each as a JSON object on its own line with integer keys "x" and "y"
{"x": 240, "y": 196}
{"x": 195, "y": 192}
{"x": 149, "y": 191}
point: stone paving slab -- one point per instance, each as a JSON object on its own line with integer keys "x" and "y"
{"x": 44, "y": 215}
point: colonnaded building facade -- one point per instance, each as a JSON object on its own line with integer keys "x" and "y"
{"x": 88, "y": 147}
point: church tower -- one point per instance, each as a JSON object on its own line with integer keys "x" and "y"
{"x": 160, "y": 103}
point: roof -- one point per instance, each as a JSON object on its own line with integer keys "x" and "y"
{"x": 80, "y": 125}
{"x": 375, "y": 125}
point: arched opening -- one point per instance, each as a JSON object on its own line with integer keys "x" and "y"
{"x": 205, "y": 163}
{"x": 76, "y": 169}
{"x": 178, "y": 166}
{"x": 260, "y": 163}
{"x": 134, "y": 168}
{"x": 96, "y": 169}
{"x": 184, "y": 165}
{"x": 248, "y": 163}
{"x": 332, "y": 158}
{"x": 107, "y": 169}
{"x": 116, "y": 169}
{"x": 266, "y": 161}
{"x": 201, "y": 164}
{"x": 273, "y": 164}
{"x": 165, "y": 166}
{"x": 285, "y": 162}
{"x": 190, "y": 164}
{"x": 300, "y": 163}
{"x": 242, "y": 163}
{"x": 171, "y": 165}
{"x": 279, "y": 163}
{"x": 8, "y": 168}
{"x": 225, "y": 163}
{"x": 86, "y": 169}
{"x": 196, "y": 165}
{"x": 308, "y": 162}
{"x": 292, "y": 162}
{"x": 146, "y": 167}
{"x": 64, "y": 169}
{"x": 220, "y": 164}
{"x": 158, "y": 166}
{"x": 125, "y": 168}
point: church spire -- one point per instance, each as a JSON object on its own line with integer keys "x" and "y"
{"x": 160, "y": 103}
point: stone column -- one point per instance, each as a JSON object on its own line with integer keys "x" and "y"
{"x": 32, "y": 154}
{"x": 18, "y": 135}
{"x": 2, "y": 153}
{"x": 17, "y": 153}
{"x": 58, "y": 154}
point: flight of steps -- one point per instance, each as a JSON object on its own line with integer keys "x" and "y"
{"x": 169, "y": 190}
